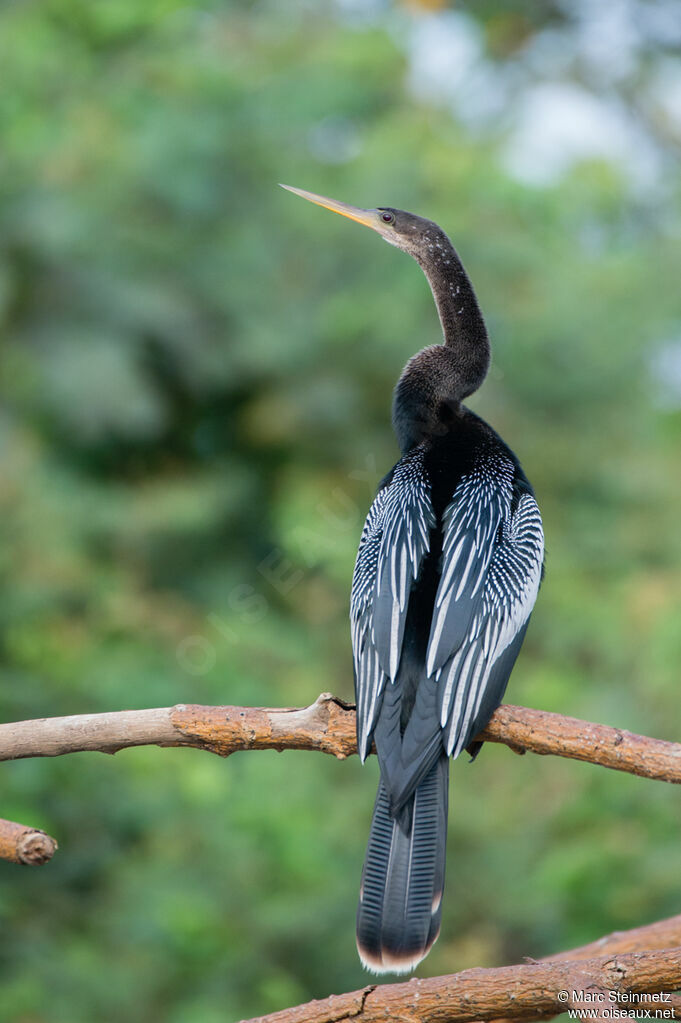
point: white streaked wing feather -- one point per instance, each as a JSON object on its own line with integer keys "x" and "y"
{"x": 471, "y": 523}
{"x": 395, "y": 538}
{"x": 408, "y": 518}
{"x": 507, "y": 598}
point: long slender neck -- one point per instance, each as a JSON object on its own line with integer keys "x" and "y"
{"x": 463, "y": 327}
{"x": 437, "y": 379}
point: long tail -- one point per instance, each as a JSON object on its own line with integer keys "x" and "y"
{"x": 398, "y": 917}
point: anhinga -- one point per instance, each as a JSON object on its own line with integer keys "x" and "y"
{"x": 448, "y": 568}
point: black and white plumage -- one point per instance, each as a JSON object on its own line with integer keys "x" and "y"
{"x": 431, "y": 664}
{"x": 490, "y": 542}
{"x": 447, "y": 573}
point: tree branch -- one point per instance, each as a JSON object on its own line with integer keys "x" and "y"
{"x": 522, "y": 992}
{"x": 30, "y": 846}
{"x": 659, "y": 935}
{"x": 328, "y": 726}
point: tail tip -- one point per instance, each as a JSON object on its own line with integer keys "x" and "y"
{"x": 385, "y": 961}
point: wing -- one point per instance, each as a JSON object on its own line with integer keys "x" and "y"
{"x": 493, "y": 552}
{"x": 395, "y": 538}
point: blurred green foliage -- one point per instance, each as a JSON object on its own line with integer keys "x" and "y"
{"x": 196, "y": 376}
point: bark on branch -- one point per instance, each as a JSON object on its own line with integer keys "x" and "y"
{"x": 530, "y": 991}
{"x": 30, "y": 846}
{"x": 328, "y": 725}
{"x": 659, "y": 935}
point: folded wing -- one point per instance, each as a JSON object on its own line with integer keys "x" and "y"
{"x": 493, "y": 552}
{"x": 395, "y": 538}
{"x": 490, "y": 571}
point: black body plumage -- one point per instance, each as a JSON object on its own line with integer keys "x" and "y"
{"x": 447, "y": 573}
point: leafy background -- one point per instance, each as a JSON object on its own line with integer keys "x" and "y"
{"x": 196, "y": 375}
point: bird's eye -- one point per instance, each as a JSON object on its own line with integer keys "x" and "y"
{"x": 388, "y": 218}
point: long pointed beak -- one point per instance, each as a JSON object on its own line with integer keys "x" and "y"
{"x": 366, "y": 217}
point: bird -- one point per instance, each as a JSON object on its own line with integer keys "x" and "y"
{"x": 449, "y": 565}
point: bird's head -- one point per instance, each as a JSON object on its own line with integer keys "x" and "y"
{"x": 419, "y": 237}
{"x": 437, "y": 379}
